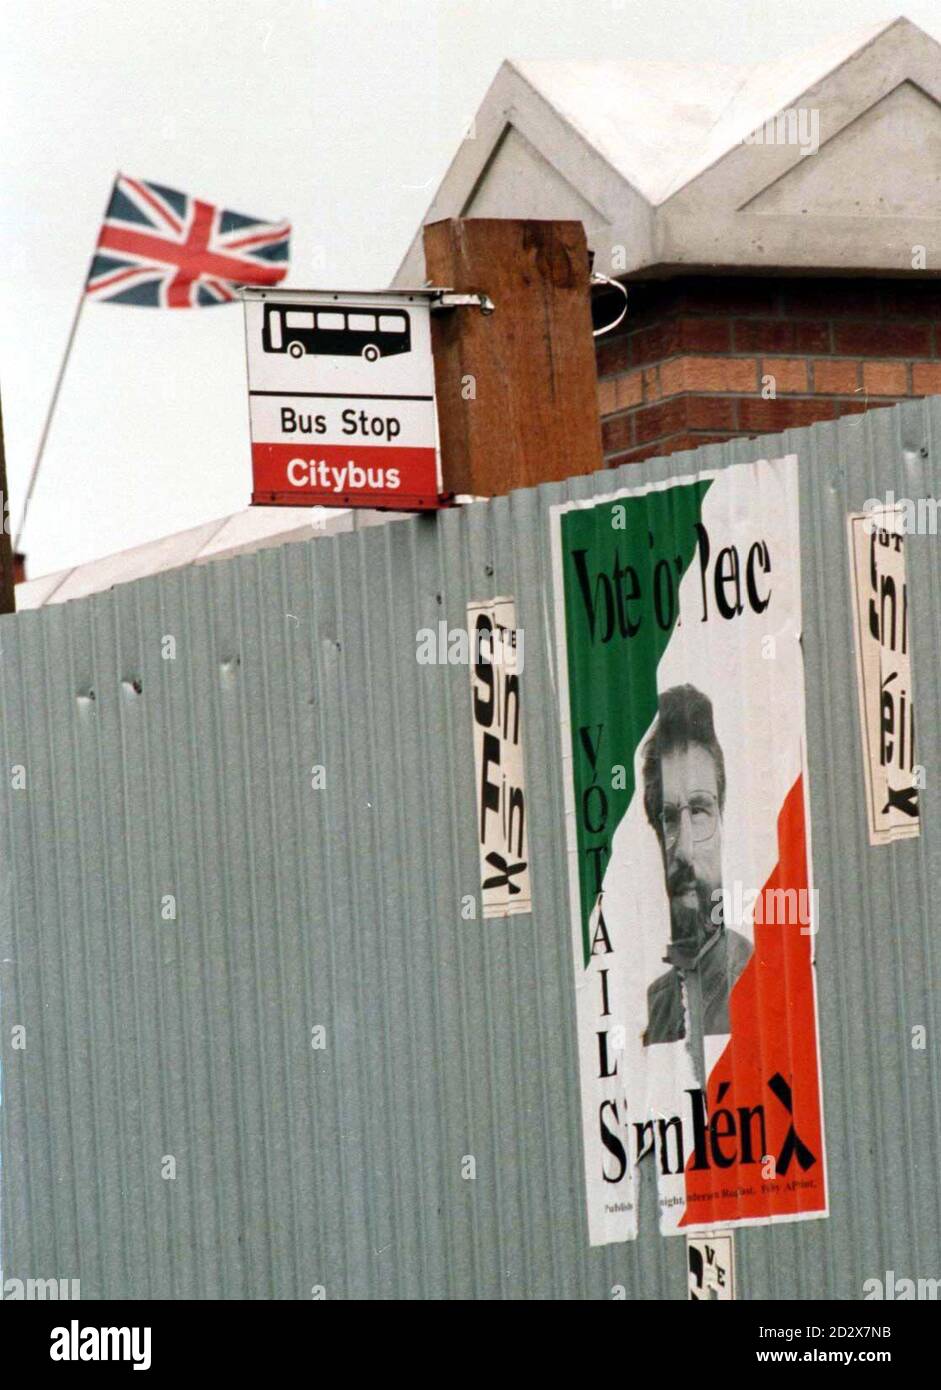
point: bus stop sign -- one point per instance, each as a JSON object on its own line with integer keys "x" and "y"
{"x": 341, "y": 399}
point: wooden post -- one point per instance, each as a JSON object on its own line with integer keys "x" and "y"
{"x": 7, "y": 581}
{"x": 517, "y": 389}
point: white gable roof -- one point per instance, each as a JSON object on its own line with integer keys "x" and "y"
{"x": 243, "y": 533}
{"x": 651, "y": 156}
{"x": 660, "y": 124}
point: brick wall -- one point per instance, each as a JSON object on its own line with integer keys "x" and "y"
{"x": 703, "y": 359}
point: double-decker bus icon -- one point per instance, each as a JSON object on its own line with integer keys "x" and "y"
{"x": 337, "y": 331}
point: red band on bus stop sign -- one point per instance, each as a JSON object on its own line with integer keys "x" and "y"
{"x": 337, "y": 475}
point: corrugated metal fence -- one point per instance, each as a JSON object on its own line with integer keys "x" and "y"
{"x": 181, "y": 907}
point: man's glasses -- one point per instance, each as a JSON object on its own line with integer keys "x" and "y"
{"x": 703, "y": 808}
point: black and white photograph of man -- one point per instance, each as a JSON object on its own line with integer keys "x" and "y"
{"x": 684, "y": 799}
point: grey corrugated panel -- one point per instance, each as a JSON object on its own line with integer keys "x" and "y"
{"x": 341, "y": 907}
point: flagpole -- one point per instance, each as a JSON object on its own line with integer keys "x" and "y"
{"x": 7, "y": 579}
{"x": 34, "y": 473}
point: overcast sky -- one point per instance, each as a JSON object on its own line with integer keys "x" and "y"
{"x": 339, "y": 114}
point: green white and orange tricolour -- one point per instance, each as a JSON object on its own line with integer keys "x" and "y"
{"x": 678, "y": 624}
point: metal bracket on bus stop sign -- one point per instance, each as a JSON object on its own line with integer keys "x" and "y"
{"x": 449, "y": 299}
{"x": 441, "y": 300}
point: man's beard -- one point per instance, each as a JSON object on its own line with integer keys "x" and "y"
{"x": 690, "y": 926}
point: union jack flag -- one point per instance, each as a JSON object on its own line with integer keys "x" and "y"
{"x": 163, "y": 249}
